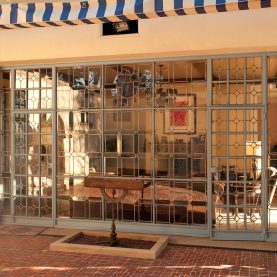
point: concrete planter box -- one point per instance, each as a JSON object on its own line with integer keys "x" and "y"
{"x": 65, "y": 245}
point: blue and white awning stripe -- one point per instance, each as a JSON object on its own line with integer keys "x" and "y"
{"x": 25, "y": 15}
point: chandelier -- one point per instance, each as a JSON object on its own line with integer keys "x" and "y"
{"x": 127, "y": 81}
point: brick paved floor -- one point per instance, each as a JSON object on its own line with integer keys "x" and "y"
{"x": 30, "y": 256}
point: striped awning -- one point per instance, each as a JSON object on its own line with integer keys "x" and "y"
{"x": 26, "y": 15}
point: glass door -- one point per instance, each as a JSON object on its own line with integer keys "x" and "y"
{"x": 32, "y": 144}
{"x": 237, "y": 170}
{"x": 33, "y": 164}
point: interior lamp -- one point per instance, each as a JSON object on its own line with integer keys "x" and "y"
{"x": 121, "y": 26}
{"x": 253, "y": 148}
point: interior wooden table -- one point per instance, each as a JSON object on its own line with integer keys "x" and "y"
{"x": 104, "y": 183}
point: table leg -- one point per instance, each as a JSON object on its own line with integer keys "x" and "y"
{"x": 113, "y": 234}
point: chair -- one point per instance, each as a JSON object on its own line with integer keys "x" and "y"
{"x": 218, "y": 191}
{"x": 253, "y": 194}
{"x": 272, "y": 182}
{"x": 253, "y": 199}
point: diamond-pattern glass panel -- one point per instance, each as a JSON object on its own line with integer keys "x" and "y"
{"x": 236, "y": 169}
{"x": 33, "y": 89}
{"x": 237, "y": 143}
{"x": 105, "y": 128}
{"x": 79, "y": 87}
{"x": 33, "y": 160}
{"x": 180, "y": 142}
{"x": 237, "y": 81}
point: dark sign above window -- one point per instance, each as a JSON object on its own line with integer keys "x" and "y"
{"x": 120, "y": 28}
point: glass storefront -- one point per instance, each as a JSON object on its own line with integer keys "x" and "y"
{"x": 198, "y": 134}
{"x": 109, "y": 121}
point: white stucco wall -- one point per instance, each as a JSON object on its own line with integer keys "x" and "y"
{"x": 233, "y": 32}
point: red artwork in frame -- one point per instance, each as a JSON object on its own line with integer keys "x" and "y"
{"x": 181, "y": 120}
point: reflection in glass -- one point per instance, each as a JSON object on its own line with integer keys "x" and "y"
{"x": 116, "y": 139}
{"x": 33, "y": 172}
{"x": 33, "y": 89}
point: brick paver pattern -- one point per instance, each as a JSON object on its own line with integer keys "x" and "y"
{"x": 30, "y": 256}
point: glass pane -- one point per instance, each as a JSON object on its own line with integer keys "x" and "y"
{"x": 236, "y": 143}
{"x": 220, "y": 94}
{"x": 237, "y": 81}
{"x": 33, "y": 89}
{"x": 254, "y": 68}
{"x": 219, "y": 67}
{"x": 118, "y": 139}
{"x": 20, "y": 100}
{"x": 33, "y": 78}
{"x": 111, "y": 143}
{"x": 79, "y": 87}
{"x": 20, "y": 78}
{"x": 236, "y": 68}
{"x": 33, "y": 171}
{"x": 236, "y": 169}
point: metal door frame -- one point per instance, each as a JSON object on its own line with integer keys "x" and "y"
{"x": 38, "y": 221}
{"x": 239, "y": 234}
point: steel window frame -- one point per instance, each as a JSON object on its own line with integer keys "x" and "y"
{"x": 164, "y": 228}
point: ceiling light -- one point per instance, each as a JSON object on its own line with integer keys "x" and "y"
{"x": 121, "y": 26}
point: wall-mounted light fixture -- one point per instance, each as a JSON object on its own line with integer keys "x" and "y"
{"x": 121, "y": 26}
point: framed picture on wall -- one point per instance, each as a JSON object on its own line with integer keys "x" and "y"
{"x": 127, "y": 89}
{"x": 181, "y": 121}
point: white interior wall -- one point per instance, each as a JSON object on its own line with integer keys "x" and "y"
{"x": 232, "y": 32}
